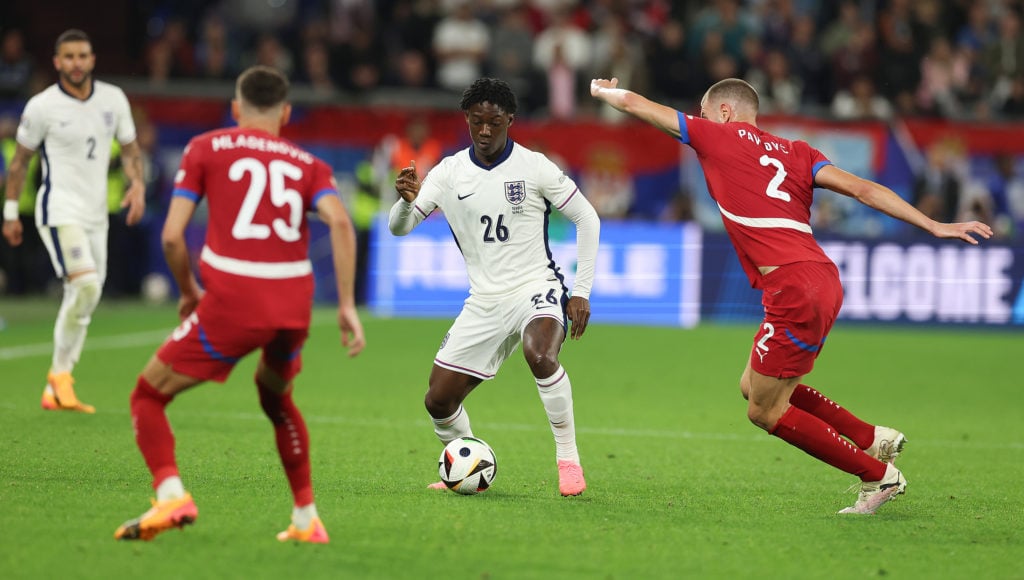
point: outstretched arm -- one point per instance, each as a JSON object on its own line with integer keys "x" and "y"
{"x": 662, "y": 117}
{"x": 343, "y": 248}
{"x": 886, "y": 201}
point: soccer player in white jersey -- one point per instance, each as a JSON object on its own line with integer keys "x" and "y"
{"x": 71, "y": 124}
{"x": 496, "y": 196}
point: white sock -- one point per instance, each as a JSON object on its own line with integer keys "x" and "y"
{"x": 170, "y": 488}
{"x": 556, "y": 394}
{"x": 81, "y": 296}
{"x": 451, "y": 428}
{"x": 302, "y": 517}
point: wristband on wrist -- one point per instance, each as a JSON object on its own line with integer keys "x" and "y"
{"x": 10, "y": 210}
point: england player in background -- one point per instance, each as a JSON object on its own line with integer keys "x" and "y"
{"x": 258, "y": 293}
{"x": 71, "y": 124}
{"x": 496, "y": 196}
{"x": 764, "y": 186}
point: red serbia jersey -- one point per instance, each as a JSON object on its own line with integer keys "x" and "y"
{"x": 255, "y": 263}
{"x": 764, "y": 186}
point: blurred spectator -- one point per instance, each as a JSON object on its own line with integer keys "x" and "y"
{"x": 216, "y": 55}
{"x": 807, "y": 61}
{"x": 15, "y": 65}
{"x": 460, "y": 45}
{"x": 625, "y": 61}
{"x": 511, "y": 54}
{"x": 269, "y": 51}
{"x": 316, "y": 69}
{"x": 944, "y": 77}
{"x": 1013, "y": 106}
{"x": 858, "y": 58}
{"x": 672, "y": 81}
{"x": 171, "y": 54}
{"x": 777, "y": 87}
{"x": 778, "y": 20}
{"x": 725, "y": 18}
{"x": 899, "y": 68}
{"x": 840, "y": 32}
{"x": 358, "y": 65}
{"x": 861, "y": 102}
{"x": 679, "y": 207}
{"x": 410, "y": 29}
{"x": 416, "y": 145}
{"x": 1006, "y": 187}
{"x": 1003, "y": 57}
{"x": 562, "y": 52}
{"x": 979, "y": 31}
{"x": 938, "y": 190}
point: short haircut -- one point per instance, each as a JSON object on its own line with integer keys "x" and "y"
{"x": 262, "y": 87}
{"x": 734, "y": 89}
{"x": 494, "y": 91}
{"x": 70, "y": 35}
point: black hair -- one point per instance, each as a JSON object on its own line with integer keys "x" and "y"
{"x": 70, "y": 35}
{"x": 263, "y": 87}
{"x": 488, "y": 90}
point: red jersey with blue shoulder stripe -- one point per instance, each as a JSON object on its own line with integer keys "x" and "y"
{"x": 763, "y": 185}
{"x": 255, "y": 263}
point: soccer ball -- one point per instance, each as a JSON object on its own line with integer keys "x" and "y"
{"x": 467, "y": 466}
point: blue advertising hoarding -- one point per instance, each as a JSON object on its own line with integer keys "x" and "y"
{"x": 645, "y": 273}
{"x": 906, "y": 281}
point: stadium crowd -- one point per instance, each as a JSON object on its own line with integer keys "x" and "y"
{"x": 846, "y": 60}
{"x": 961, "y": 59}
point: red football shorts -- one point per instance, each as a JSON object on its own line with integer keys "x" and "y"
{"x": 210, "y": 349}
{"x": 801, "y": 302}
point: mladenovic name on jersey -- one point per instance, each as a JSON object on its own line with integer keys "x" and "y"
{"x": 228, "y": 142}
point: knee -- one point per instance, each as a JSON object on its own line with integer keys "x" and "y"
{"x": 87, "y": 291}
{"x": 543, "y": 364}
{"x": 745, "y": 388}
{"x": 763, "y": 417}
{"x": 438, "y": 406}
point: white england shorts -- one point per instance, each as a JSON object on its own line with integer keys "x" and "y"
{"x": 488, "y": 331}
{"x": 75, "y": 249}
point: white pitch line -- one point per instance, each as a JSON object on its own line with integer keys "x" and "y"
{"x": 598, "y": 431}
{"x": 114, "y": 342}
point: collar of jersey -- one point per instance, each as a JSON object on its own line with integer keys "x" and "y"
{"x": 92, "y": 91}
{"x": 504, "y": 155}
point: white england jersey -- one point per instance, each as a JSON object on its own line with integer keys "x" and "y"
{"x": 73, "y": 139}
{"x": 499, "y": 214}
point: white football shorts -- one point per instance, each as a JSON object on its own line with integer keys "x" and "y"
{"x": 488, "y": 331}
{"x": 74, "y": 249}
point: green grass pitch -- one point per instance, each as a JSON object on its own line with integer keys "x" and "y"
{"x": 681, "y": 485}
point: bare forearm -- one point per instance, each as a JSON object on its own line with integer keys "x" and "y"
{"x": 178, "y": 261}
{"x": 888, "y": 202}
{"x": 343, "y": 248}
{"x": 131, "y": 158}
{"x": 15, "y": 179}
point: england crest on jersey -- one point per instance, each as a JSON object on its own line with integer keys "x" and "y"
{"x": 108, "y": 119}
{"x": 515, "y": 192}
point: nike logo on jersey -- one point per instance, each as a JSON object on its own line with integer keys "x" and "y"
{"x": 462, "y": 197}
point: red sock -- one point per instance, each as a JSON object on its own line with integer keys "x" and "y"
{"x": 848, "y": 425}
{"x": 818, "y": 439}
{"x": 292, "y": 442}
{"x": 152, "y": 431}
